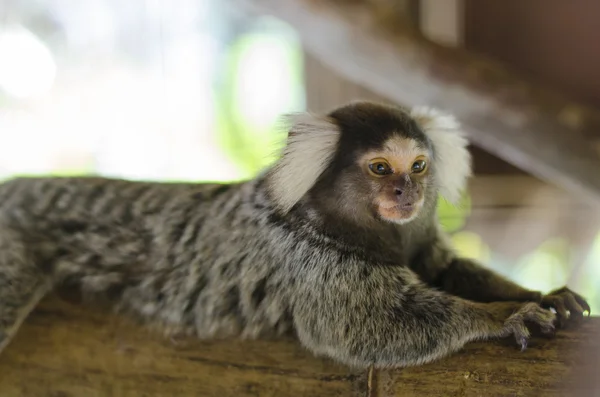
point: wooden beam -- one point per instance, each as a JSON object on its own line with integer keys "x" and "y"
{"x": 69, "y": 350}
{"x": 442, "y": 21}
{"x": 523, "y": 123}
{"x": 564, "y": 366}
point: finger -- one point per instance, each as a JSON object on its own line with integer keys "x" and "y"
{"x": 565, "y": 290}
{"x": 521, "y": 334}
{"x": 573, "y": 306}
{"x": 583, "y": 303}
{"x": 558, "y": 305}
{"x": 547, "y": 301}
{"x": 523, "y": 343}
{"x": 547, "y": 328}
{"x": 587, "y": 308}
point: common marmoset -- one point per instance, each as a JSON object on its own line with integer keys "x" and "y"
{"x": 338, "y": 242}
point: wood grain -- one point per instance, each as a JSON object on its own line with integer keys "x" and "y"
{"x": 68, "y": 350}
{"x": 512, "y": 117}
{"x": 65, "y": 350}
{"x": 566, "y": 365}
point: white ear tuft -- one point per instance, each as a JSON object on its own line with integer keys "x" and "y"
{"x": 453, "y": 159}
{"x": 311, "y": 144}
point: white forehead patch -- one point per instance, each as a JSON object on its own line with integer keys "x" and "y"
{"x": 399, "y": 151}
{"x": 403, "y": 147}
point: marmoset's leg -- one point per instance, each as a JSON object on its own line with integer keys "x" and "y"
{"x": 22, "y": 284}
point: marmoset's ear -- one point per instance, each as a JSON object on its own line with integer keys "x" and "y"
{"x": 453, "y": 163}
{"x": 311, "y": 144}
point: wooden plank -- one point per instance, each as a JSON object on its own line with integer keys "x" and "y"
{"x": 497, "y": 191}
{"x": 523, "y": 123}
{"x": 515, "y": 215}
{"x": 537, "y": 29}
{"x": 442, "y": 22}
{"x": 68, "y": 350}
{"x": 564, "y": 366}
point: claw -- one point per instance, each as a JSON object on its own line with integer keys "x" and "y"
{"x": 573, "y": 305}
{"x": 574, "y": 300}
{"x": 586, "y": 308}
{"x": 523, "y": 343}
{"x": 561, "y": 321}
{"x": 561, "y": 309}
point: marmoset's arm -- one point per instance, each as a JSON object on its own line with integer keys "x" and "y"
{"x": 442, "y": 268}
{"x": 389, "y": 318}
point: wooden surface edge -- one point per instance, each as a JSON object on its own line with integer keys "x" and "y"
{"x": 72, "y": 350}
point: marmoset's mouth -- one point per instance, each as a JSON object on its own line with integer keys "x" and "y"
{"x": 397, "y": 212}
{"x": 391, "y": 205}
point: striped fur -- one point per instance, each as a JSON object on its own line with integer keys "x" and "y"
{"x": 224, "y": 261}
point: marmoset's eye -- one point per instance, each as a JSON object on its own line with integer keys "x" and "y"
{"x": 418, "y": 166}
{"x": 380, "y": 167}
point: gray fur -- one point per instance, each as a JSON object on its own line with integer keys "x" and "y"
{"x": 223, "y": 261}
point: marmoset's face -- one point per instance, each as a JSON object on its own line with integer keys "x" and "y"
{"x": 397, "y": 176}
{"x": 383, "y": 165}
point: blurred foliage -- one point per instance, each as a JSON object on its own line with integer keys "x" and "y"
{"x": 454, "y": 216}
{"x": 589, "y": 281}
{"x": 264, "y": 80}
{"x": 470, "y": 245}
{"x": 551, "y": 259}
